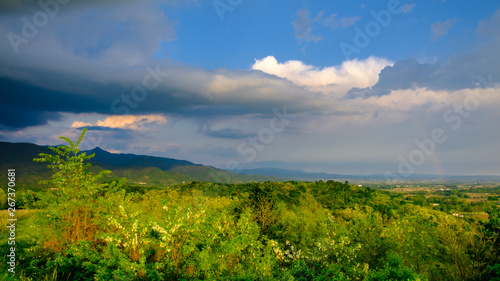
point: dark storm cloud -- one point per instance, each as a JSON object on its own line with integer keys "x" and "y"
{"x": 458, "y": 72}
{"x": 187, "y": 92}
{"x": 26, "y": 105}
{"x": 23, "y": 6}
{"x": 16, "y": 117}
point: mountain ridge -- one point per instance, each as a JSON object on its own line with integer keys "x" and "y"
{"x": 138, "y": 169}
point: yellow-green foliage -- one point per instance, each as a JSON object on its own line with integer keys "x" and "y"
{"x": 3, "y": 198}
{"x": 20, "y": 215}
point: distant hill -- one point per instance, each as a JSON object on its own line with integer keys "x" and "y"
{"x": 138, "y": 169}
{"x": 299, "y": 175}
{"x": 313, "y": 176}
{"x": 291, "y": 174}
{"x": 129, "y": 160}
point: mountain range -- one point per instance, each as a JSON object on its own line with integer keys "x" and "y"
{"x": 138, "y": 169}
{"x": 165, "y": 172}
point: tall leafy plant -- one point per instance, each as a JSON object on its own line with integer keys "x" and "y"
{"x": 71, "y": 176}
{"x": 73, "y": 207}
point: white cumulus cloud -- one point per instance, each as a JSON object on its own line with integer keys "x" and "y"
{"x": 336, "y": 79}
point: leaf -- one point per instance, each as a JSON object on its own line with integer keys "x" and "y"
{"x": 67, "y": 140}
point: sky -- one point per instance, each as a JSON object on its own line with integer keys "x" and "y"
{"x": 351, "y": 87}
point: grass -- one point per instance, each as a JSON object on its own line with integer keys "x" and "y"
{"x": 20, "y": 214}
{"x": 23, "y": 217}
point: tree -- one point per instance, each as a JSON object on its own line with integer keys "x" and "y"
{"x": 68, "y": 230}
{"x": 71, "y": 205}
{"x": 71, "y": 176}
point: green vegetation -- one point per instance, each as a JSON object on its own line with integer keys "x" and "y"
{"x": 87, "y": 228}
